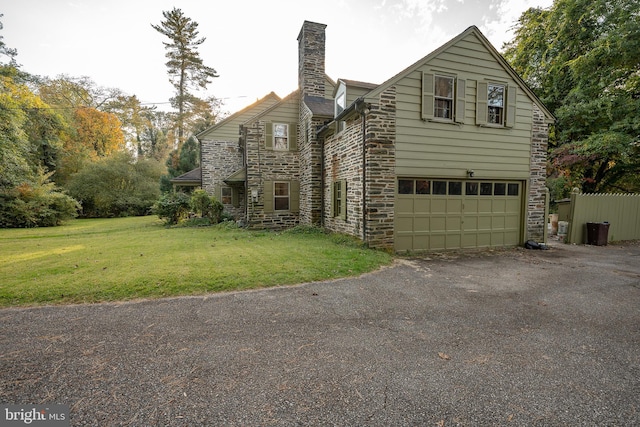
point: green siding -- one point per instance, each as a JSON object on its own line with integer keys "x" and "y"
{"x": 432, "y": 148}
{"x": 228, "y": 129}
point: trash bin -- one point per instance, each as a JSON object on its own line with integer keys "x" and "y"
{"x": 597, "y": 233}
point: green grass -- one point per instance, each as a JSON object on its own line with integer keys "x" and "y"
{"x": 95, "y": 260}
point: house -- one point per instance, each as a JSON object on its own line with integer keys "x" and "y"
{"x": 448, "y": 153}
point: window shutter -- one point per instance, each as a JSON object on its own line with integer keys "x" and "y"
{"x": 512, "y": 96}
{"x": 235, "y": 197}
{"x": 268, "y": 137}
{"x": 482, "y": 103}
{"x": 427, "y": 96}
{"x": 293, "y": 137}
{"x": 333, "y": 198}
{"x": 294, "y": 196}
{"x": 268, "y": 197}
{"x": 461, "y": 100}
{"x": 343, "y": 199}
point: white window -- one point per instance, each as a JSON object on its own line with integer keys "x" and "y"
{"x": 280, "y": 136}
{"x": 341, "y": 103}
{"x": 443, "y": 97}
{"x": 495, "y": 103}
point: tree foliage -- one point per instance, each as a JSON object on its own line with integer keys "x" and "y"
{"x": 35, "y": 204}
{"x": 117, "y": 185}
{"x": 185, "y": 67}
{"x": 582, "y": 57}
{"x": 180, "y": 162}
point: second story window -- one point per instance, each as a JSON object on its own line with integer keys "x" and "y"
{"x": 280, "y": 136}
{"x": 443, "y": 96}
{"x": 495, "y": 102}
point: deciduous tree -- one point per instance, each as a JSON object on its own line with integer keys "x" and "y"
{"x": 582, "y": 57}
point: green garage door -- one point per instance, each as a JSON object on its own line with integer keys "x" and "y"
{"x": 453, "y": 214}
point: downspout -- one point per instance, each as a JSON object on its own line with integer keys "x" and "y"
{"x": 243, "y": 146}
{"x": 322, "y": 178}
{"x": 364, "y": 108}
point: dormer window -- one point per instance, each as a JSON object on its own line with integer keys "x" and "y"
{"x": 341, "y": 103}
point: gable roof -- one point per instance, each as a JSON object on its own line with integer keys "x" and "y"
{"x": 193, "y": 177}
{"x": 250, "y": 111}
{"x": 472, "y": 30}
{"x": 272, "y": 107}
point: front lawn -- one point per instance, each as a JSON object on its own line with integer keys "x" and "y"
{"x": 95, "y": 260}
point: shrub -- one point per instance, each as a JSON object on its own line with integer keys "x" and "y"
{"x": 206, "y": 206}
{"x": 116, "y": 186}
{"x": 35, "y": 205}
{"x": 172, "y": 207}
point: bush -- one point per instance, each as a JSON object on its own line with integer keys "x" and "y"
{"x": 35, "y": 205}
{"x": 206, "y": 206}
{"x": 172, "y": 207}
{"x": 117, "y": 186}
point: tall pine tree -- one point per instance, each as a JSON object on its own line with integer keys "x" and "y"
{"x": 185, "y": 66}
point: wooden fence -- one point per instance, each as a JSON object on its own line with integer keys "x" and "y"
{"x": 621, "y": 211}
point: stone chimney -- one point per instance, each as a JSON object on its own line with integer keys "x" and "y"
{"x": 311, "y": 74}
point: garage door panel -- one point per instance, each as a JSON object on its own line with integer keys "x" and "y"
{"x": 460, "y": 220}
{"x": 438, "y": 206}
{"x": 485, "y": 205}
{"x": 453, "y": 241}
{"x": 470, "y": 206}
{"x": 498, "y": 206}
{"x": 454, "y": 206}
{"x": 422, "y": 205}
{"x": 470, "y": 223}
{"x": 512, "y": 222}
{"x": 497, "y": 223}
{"x": 454, "y": 223}
{"x": 404, "y": 225}
{"x": 438, "y": 224}
{"x": 421, "y": 224}
{"x": 404, "y": 205}
{"x": 437, "y": 242}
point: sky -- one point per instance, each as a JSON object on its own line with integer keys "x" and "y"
{"x": 252, "y": 44}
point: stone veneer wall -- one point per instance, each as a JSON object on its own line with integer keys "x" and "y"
{"x": 220, "y": 159}
{"x": 380, "y": 171}
{"x": 536, "y": 221}
{"x": 310, "y": 151}
{"x": 268, "y": 165}
{"x": 343, "y": 161}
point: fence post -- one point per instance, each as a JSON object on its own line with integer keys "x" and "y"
{"x": 571, "y": 232}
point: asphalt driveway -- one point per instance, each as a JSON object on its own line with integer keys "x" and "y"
{"x": 516, "y": 337}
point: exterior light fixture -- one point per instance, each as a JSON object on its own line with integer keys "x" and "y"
{"x": 470, "y": 173}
